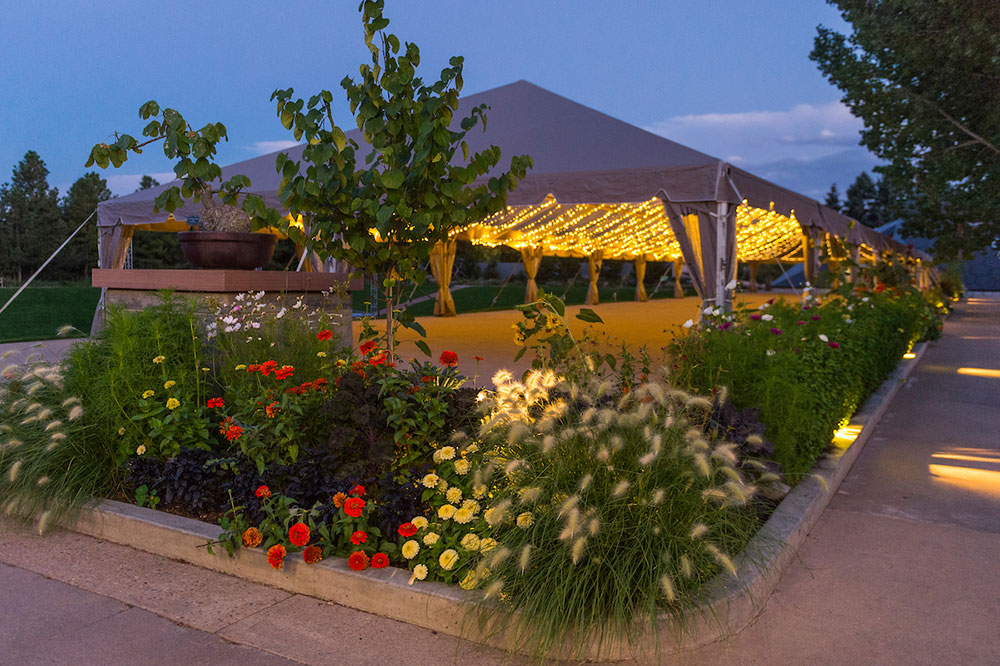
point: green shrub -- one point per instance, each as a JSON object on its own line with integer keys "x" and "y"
{"x": 807, "y": 367}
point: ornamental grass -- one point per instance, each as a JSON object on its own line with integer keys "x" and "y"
{"x": 608, "y": 510}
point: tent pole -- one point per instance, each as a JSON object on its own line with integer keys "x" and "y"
{"x": 720, "y": 250}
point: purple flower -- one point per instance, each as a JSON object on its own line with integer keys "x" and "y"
{"x": 770, "y": 301}
{"x": 816, "y": 317}
{"x": 725, "y": 325}
{"x": 776, "y": 331}
{"x": 800, "y": 322}
{"x": 835, "y": 345}
{"x": 755, "y": 317}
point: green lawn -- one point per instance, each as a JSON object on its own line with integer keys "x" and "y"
{"x": 39, "y": 312}
{"x": 477, "y": 298}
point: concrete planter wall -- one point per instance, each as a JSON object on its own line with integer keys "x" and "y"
{"x": 730, "y": 603}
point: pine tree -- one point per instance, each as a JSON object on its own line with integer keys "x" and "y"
{"x": 833, "y": 198}
{"x": 30, "y": 218}
{"x": 80, "y": 255}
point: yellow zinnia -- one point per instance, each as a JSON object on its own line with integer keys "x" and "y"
{"x": 169, "y": 384}
{"x": 410, "y": 549}
{"x": 463, "y": 516}
{"x": 525, "y": 520}
{"x": 470, "y": 581}
{"x": 446, "y": 512}
{"x": 420, "y": 571}
{"x": 430, "y": 480}
{"x": 173, "y": 403}
{"x": 448, "y": 559}
{"x": 431, "y": 538}
{"x": 454, "y": 495}
{"x": 419, "y": 522}
{"x": 148, "y": 394}
{"x": 470, "y": 542}
{"x": 487, "y": 544}
{"x": 461, "y": 467}
{"x": 159, "y": 359}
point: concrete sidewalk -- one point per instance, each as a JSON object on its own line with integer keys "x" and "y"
{"x": 901, "y": 569}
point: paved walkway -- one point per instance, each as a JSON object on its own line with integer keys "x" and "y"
{"x": 901, "y": 569}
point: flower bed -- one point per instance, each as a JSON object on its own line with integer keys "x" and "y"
{"x": 587, "y": 499}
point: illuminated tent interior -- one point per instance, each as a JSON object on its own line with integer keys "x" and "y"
{"x": 600, "y": 189}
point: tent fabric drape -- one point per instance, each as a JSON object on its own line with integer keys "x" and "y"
{"x": 678, "y": 287}
{"x": 531, "y": 257}
{"x": 113, "y": 245}
{"x": 594, "y": 261}
{"x": 442, "y": 261}
{"x": 640, "y": 275}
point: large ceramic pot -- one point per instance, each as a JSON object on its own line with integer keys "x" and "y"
{"x": 227, "y": 249}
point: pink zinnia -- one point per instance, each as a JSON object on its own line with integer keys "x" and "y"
{"x": 755, "y": 316}
{"x": 835, "y": 345}
{"x": 776, "y": 331}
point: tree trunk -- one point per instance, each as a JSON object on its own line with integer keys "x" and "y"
{"x": 390, "y": 342}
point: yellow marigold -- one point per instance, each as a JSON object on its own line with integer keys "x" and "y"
{"x": 469, "y": 582}
{"x": 470, "y": 542}
{"x": 173, "y": 403}
{"x": 461, "y": 467}
{"x": 159, "y": 359}
{"x": 169, "y": 384}
{"x": 448, "y": 559}
{"x": 463, "y": 516}
{"x": 419, "y": 572}
{"x": 525, "y": 520}
{"x": 487, "y": 544}
{"x": 431, "y": 538}
{"x": 430, "y": 480}
{"x": 454, "y": 495}
{"x": 479, "y": 490}
{"x": 446, "y": 512}
{"x": 419, "y": 522}
{"x": 410, "y": 549}
{"x": 149, "y": 393}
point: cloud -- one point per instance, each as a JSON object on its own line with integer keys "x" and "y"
{"x": 265, "y": 147}
{"x": 805, "y": 131}
{"x": 121, "y": 184}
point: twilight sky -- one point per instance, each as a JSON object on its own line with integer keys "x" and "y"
{"x": 730, "y": 78}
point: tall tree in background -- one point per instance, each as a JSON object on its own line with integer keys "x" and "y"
{"x": 30, "y": 218}
{"x": 925, "y": 77}
{"x": 77, "y": 258}
{"x": 861, "y": 201}
{"x": 833, "y": 198}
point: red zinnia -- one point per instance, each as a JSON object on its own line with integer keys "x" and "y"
{"x": 367, "y": 347}
{"x": 477, "y": 358}
{"x": 357, "y": 490}
{"x": 215, "y": 402}
{"x": 377, "y": 359}
{"x": 358, "y": 561}
{"x": 449, "y": 358}
{"x": 359, "y": 537}
{"x": 380, "y": 561}
{"x": 276, "y": 556}
{"x": 233, "y": 433}
{"x": 426, "y": 379}
{"x": 312, "y": 554}
{"x": 272, "y": 409}
{"x": 253, "y": 367}
{"x": 319, "y": 383}
{"x": 268, "y": 367}
{"x": 407, "y": 530}
{"x": 324, "y": 334}
{"x": 299, "y": 534}
{"x": 353, "y": 506}
{"x": 284, "y": 372}
{"x": 263, "y": 492}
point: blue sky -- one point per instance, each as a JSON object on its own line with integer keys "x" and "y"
{"x": 732, "y": 79}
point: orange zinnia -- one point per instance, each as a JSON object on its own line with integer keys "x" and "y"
{"x": 252, "y": 538}
{"x": 276, "y": 556}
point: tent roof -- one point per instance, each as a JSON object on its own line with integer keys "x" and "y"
{"x": 580, "y": 155}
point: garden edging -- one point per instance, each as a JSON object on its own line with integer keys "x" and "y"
{"x": 731, "y": 603}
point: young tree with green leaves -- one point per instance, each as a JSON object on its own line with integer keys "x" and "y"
{"x": 925, "y": 77}
{"x": 382, "y": 211}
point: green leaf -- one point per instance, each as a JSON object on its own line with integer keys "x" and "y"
{"x": 588, "y": 315}
{"x": 393, "y": 179}
{"x": 422, "y": 346}
{"x": 519, "y": 354}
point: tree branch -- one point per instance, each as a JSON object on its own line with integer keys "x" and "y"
{"x": 944, "y": 114}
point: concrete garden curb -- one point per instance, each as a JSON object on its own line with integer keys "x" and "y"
{"x": 731, "y": 603}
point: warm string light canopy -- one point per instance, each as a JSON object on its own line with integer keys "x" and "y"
{"x": 624, "y": 230}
